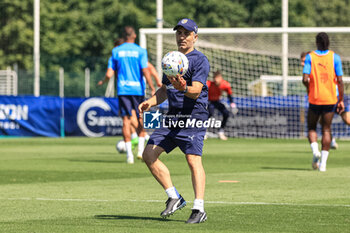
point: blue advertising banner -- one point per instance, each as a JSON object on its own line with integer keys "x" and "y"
{"x": 268, "y": 117}
{"x": 41, "y": 116}
{"x": 30, "y": 116}
{"x": 92, "y": 117}
{"x": 274, "y": 117}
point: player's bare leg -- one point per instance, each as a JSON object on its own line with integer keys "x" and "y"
{"x": 312, "y": 120}
{"x": 198, "y": 175}
{"x": 134, "y": 125}
{"x": 158, "y": 169}
{"x": 127, "y": 139}
{"x": 138, "y": 124}
{"x": 161, "y": 173}
{"x": 198, "y": 183}
{"x": 326, "y": 139}
{"x": 346, "y": 117}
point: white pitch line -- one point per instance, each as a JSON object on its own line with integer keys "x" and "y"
{"x": 71, "y": 199}
{"x": 53, "y": 199}
{"x": 208, "y": 202}
{"x": 255, "y": 203}
{"x": 281, "y": 204}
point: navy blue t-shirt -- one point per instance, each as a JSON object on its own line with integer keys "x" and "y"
{"x": 198, "y": 70}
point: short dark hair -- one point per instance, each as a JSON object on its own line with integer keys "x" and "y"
{"x": 303, "y": 54}
{"x": 127, "y": 32}
{"x": 216, "y": 73}
{"x": 322, "y": 41}
{"x": 118, "y": 41}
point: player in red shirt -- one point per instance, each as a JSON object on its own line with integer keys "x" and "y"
{"x": 216, "y": 88}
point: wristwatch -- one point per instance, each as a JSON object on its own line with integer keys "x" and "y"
{"x": 185, "y": 91}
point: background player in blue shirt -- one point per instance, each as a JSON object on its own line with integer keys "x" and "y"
{"x": 188, "y": 97}
{"x": 129, "y": 61}
{"x": 110, "y": 73}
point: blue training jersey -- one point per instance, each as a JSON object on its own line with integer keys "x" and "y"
{"x": 110, "y": 62}
{"x": 337, "y": 63}
{"x": 198, "y": 70}
{"x": 128, "y": 60}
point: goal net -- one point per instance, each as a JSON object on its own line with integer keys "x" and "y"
{"x": 252, "y": 64}
{"x": 8, "y": 82}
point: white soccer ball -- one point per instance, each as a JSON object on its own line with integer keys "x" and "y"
{"x": 120, "y": 146}
{"x": 174, "y": 63}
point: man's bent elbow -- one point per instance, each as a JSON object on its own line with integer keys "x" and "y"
{"x": 194, "y": 95}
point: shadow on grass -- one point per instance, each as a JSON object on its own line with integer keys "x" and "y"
{"x": 126, "y": 217}
{"x": 287, "y": 168}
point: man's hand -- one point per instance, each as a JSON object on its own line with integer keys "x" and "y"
{"x": 233, "y": 105}
{"x": 144, "y": 107}
{"x": 340, "y": 107}
{"x": 234, "y": 108}
{"x": 178, "y": 82}
{"x": 100, "y": 83}
{"x": 108, "y": 76}
{"x": 159, "y": 83}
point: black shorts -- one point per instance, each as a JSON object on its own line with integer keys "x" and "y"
{"x": 320, "y": 109}
{"x": 127, "y": 103}
{"x": 219, "y": 106}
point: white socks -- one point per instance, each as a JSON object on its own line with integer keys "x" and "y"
{"x": 129, "y": 155}
{"x": 141, "y": 146}
{"x": 314, "y": 148}
{"x": 172, "y": 192}
{"x": 198, "y": 204}
{"x": 324, "y": 157}
{"x": 134, "y": 135}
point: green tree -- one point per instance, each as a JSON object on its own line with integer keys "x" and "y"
{"x": 331, "y": 13}
{"x": 75, "y": 32}
{"x": 263, "y": 13}
{"x": 16, "y": 33}
{"x": 209, "y": 13}
{"x": 225, "y": 13}
{"x": 79, "y": 33}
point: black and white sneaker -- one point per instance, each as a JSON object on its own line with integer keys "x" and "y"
{"x": 173, "y": 204}
{"x": 197, "y": 217}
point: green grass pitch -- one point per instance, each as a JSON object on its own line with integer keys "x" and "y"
{"x": 84, "y": 185}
